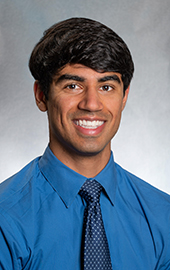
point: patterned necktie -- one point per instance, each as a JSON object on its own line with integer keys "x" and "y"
{"x": 96, "y": 255}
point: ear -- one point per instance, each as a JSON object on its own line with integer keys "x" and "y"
{"x": 125, "y": 97}
{"x": 39, "y": 97}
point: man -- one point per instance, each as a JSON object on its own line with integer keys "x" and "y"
{"x": 52, "y": 214}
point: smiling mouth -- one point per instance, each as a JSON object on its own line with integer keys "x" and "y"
{"x": 89, "y": 124}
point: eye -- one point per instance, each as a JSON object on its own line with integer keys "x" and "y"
{"x": 106, "y": 87}
{"x": 72, "y": 86}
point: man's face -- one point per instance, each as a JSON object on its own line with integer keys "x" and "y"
{"x": 84, "y": 110}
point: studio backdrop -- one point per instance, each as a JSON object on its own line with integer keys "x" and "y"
{"x": 142, "y": 144}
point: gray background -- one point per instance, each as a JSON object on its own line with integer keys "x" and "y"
{"x": 142, "y": 144}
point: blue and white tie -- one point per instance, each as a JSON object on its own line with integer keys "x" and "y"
{"x": 96, "y": 255}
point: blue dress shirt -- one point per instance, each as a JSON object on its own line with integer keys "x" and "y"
{"x": 41, "y": 218}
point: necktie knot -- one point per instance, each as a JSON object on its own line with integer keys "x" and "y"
{"x": 91, "y": 191}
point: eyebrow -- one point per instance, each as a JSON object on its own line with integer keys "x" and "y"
{"x": 70, "y": 77}
{"x": 110, "y": 78}
{"x": 64, "y": 77}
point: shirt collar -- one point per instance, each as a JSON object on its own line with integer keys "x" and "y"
{"x": 107, "y": 178}
{"x": 67, "y": 188}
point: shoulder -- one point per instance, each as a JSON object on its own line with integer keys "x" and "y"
{"x": 146, "y": 194}
{"x": 16, "y": 183}
{"x": 15, "y": 215}
{"x": 15, "y": 212}
{"x": 146, "y": 209}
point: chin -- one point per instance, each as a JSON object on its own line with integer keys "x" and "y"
{"x": 89, "y": 150}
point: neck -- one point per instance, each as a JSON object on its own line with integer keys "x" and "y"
{"x": 88, "y": 166}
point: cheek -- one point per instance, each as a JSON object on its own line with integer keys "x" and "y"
{"x": 114, "y": 106}
{"x": 58, "y": 105}
{"x": 62, "y": 108}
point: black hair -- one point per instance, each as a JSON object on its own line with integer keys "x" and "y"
{"x": 83, "y": 41}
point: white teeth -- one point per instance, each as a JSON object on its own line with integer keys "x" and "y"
{"x": 89, "y": 124}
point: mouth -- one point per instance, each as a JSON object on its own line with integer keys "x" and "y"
{"x": 87, "y": 124}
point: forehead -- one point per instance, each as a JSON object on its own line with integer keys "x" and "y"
{"x": 86, "y": 73}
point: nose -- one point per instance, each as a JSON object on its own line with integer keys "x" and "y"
{"x": 91, "y": 101}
